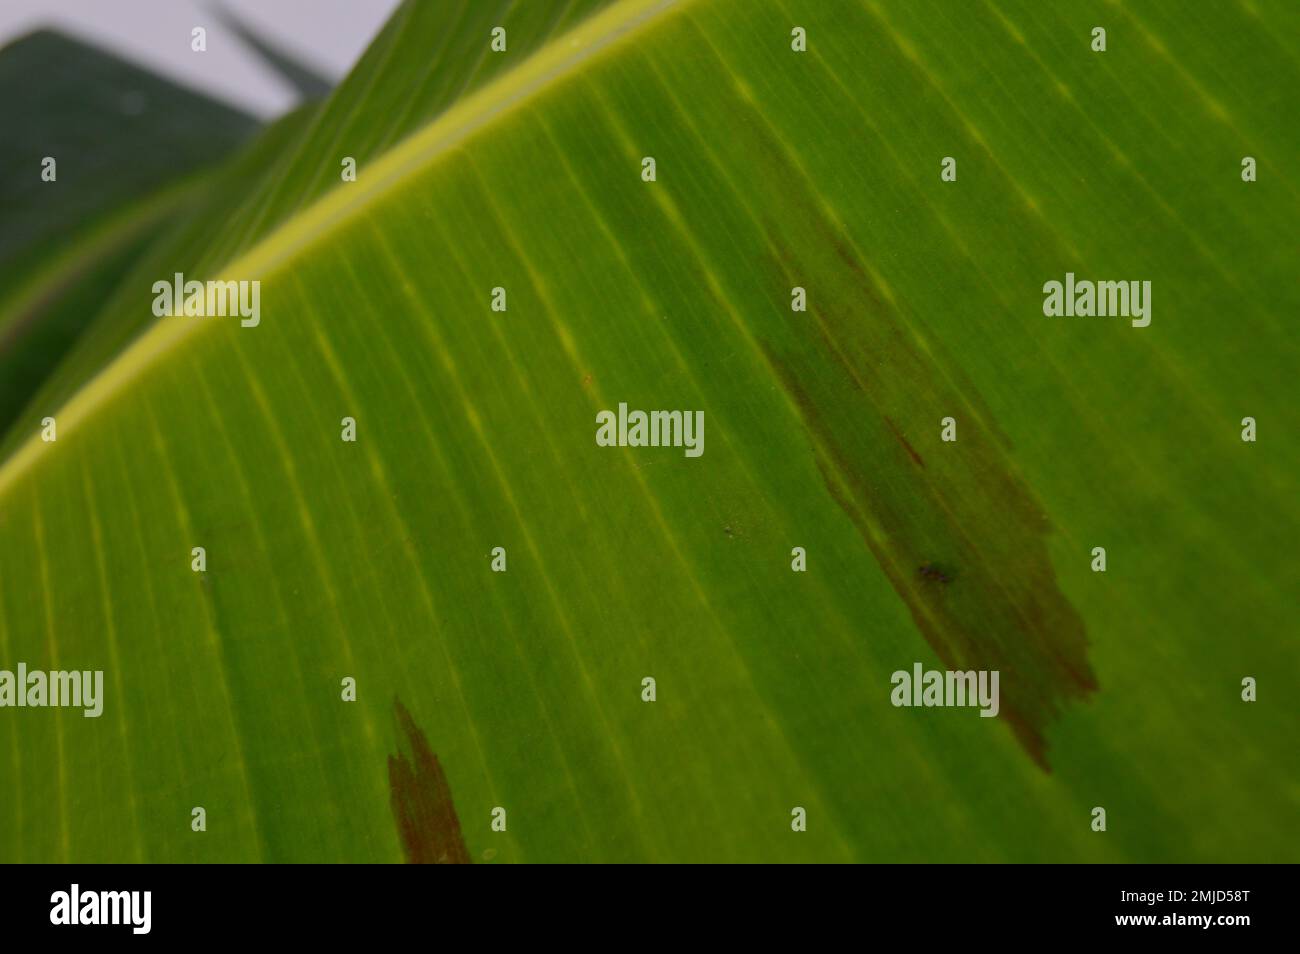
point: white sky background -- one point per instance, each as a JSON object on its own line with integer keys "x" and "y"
{"x": 328, "y": 35}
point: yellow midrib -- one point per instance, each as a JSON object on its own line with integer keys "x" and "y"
{"x": 558, "y": 58}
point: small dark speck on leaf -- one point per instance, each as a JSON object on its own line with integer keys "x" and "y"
{"x": 932, "y": 572}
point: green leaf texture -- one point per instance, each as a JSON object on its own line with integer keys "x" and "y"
{"x": 475, "y": 429}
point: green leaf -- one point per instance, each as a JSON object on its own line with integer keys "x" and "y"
{"x": 116, "y": 131}
{"x": 129, "y": 149}
{"x": 522, "y": 690}
{"x": 177, "y": 223}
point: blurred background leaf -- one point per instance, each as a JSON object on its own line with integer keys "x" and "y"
{"x": 129, "y": 147}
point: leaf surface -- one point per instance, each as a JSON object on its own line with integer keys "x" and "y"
{"x": 329, "y": 559}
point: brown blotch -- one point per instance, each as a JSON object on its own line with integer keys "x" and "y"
{"x": 1005, "y": 612}
{"x": 421, "y": 800}
{"x": 853, "y": 365}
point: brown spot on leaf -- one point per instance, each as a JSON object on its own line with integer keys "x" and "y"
{"x": 421, "y": 800}
{"x": 855, "y": 364}
{"x": 1006, "y": 611}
